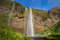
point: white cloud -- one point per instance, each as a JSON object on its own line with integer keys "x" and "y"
{"x": 54, "y": 3}
{"x": 44, "y": 8}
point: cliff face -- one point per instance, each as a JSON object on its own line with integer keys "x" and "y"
{"x": 55, "y": 9}
{"x": 41, "y": 19}
{"x": 16, "y": 23}
{"x": 52, "y": 18}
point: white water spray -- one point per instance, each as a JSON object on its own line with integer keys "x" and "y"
{"x": 11, "y": 13}
{"x": 29, "y": 23}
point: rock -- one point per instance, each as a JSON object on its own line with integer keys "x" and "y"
{"x": 56, "y": 9}
{"x": 4, "y": 10}
{"x": 39, "y": 28}
{"x": 17, "y": 24}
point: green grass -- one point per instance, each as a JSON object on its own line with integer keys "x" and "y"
{"x": 36, "y": 12}
{"x": 44, "y": 15}
{"x": 28, "y": 38}
{"x": 52, "y": 37}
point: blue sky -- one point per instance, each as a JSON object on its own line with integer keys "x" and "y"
{"x": 40, "y": 4}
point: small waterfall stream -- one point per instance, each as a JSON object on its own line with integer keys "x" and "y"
{"x": 29, "y": 23}
{"x": 11, "y": 13}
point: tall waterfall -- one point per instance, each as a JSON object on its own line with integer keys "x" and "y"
{"x": 11, "y": 14}
{"x": 29, "y": 22}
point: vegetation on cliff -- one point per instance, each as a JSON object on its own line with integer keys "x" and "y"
{"x": 4, "y": 18}
{"x": 18, "y": 8}
{"x": 38, "y": 13}
{"x": 54, "y": 32}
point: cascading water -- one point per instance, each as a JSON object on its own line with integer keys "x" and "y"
{"x": 29, "y": 23}
{"x": 11, "y": 14}
{"x": 25, "y": 23}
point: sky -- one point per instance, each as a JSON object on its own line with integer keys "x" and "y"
{"x": 40, "y": 4}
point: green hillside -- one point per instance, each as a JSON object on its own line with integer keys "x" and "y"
{"x": 53, "y": 30}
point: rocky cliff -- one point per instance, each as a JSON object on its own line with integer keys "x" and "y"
{"x": 52, "y": 17}
{"x": 41, "y": 19}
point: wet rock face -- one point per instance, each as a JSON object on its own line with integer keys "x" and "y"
{"x": 39, "y": 28}
{"x": 4, "y": 10}
{"x": 55, "y": 9}
{"x": 17, "y": 24}
{"x": 49, "y": 22}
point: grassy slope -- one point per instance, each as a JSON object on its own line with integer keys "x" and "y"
{"x": 53, "y": 30}
{"x": 6, "y": 33}
{"x": 55, "y": 33}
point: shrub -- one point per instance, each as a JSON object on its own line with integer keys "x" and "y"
{"x": 28, "y": 38}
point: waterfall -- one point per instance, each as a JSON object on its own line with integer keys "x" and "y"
{"x": 11, "y": 14}
{"x": 29, "y": 23}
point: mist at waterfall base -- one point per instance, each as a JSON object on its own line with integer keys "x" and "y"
{"x": 29, "y": 30}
